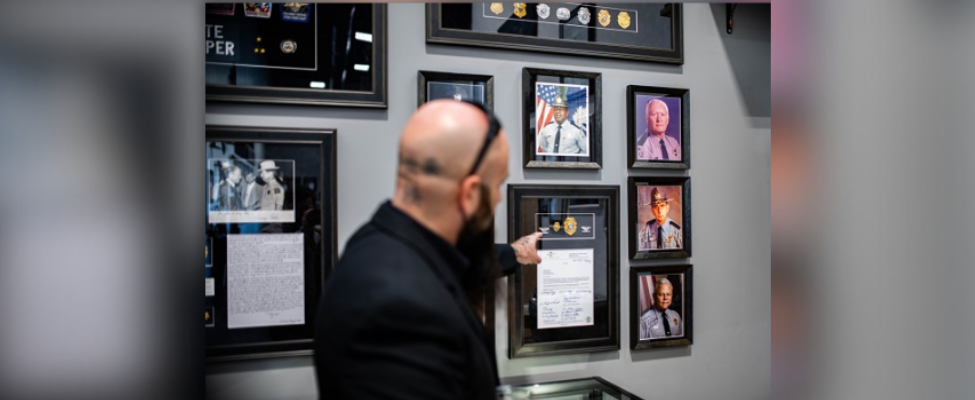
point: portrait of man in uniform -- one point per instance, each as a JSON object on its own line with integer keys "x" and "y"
{"x": 659, "y": 216}
{"x": 658, "y": 128}
{"x": 273, "y": 197}
{"x": 661, "y": 306}
{"x": 562, "y": 120}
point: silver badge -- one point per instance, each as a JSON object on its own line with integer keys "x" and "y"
{"x": 289, "y": 46}
{"x": 543, "y": 10}
{"x": 563, "y": 13}
{"x": 584, "y": 16}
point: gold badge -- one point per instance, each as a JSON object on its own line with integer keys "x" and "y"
{"x": 570, "y": 226}
{"x": 603, "y": 18}
{"x": 520, "y": 9}
{"x": 556, "y": 226}
{"x": 670, "y": 239}
{"x": 497, "y": 8}
{"x": 623, "y": 19}
{"x": 675, "y": 321}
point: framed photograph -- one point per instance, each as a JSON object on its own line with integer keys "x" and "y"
{"x": 561, "y": 119}
{"x": 661, "y": 307}
{"x": 642, "y": 32}
{"x": 270, "y": 238}
{"x": 297, "y": 53}
{"x": 569, "y": 303}
{"x": 660, "y": 217}
{"x": 658, "y": 127}
{"x": 445, "y": 85}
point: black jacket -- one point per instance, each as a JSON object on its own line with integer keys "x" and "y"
{"x": 394, "y": 323}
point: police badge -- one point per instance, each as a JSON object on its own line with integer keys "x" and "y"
{"x": 570, "y": 226}
{"x": 623, "y": 19}
{"x": 584, "y": 16}
{"x": 603, "y": 18}
{"x": 563, "y": 14}
{"x": 556, "y": 226}
{"x": 497, "y": 8}
{"x": 543, "y": 10}
{"x": 520, "y": 9}
{"x": 288, "y": 46}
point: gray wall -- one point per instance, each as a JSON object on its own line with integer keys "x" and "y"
{"x": 728, "y": 77}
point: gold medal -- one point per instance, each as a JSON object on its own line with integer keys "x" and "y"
{"x": 520, "y": 9}
{"x": 556, "y": 226}
{"x": 623, "y": 19}
{"x": 497, "y": 8}
{"x": 570, "y": 226}
{"x": 603, "y": 17}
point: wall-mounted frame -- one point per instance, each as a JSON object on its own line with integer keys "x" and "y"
{"x": 561, "y": 119}
{"x": 297, "y": 53}
{"x": 659, "y": 217}
{"x": 658, "y": 127}
{"x": 644, "y": 32}
{"x": 444, "y": 85}
{"x": 546, "y": 315}
{"x": 661, "y": 306}
{"x": 271, "y": 234}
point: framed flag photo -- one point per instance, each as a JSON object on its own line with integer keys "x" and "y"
{"x": 661, "y": 307}
{"x": 561, "y": 119}
{"x": 658, "y": 127}
{"x": 660, "y": 217}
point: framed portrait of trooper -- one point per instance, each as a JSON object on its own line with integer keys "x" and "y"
{"x": 660, "y": 217}
{"x": 661, "y": 307}
{"x": 568, "y": 303}
{"x": 433, "y": 85}
{"x": 561, "y": 119}
{"x": 297, "y": 53}
{"x": 270, "y": 237}
{"x": 658, "y": 127}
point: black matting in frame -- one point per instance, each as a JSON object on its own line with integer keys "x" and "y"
{"x": 268, "y": 191}
{"x": 576, "y": 221}
{"x": 650, "y": 32}
{"x": 432, "y": 85}
{"x": 574, "y": 143}
{"x": 648, "y": 238}
{"x": 297, "y": 53}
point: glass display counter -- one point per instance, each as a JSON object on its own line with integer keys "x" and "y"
{"x": 594, "y": 388}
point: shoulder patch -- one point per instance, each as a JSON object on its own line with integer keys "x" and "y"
{"x": 675, "y": 224}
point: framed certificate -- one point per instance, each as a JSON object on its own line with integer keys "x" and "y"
{"x": 270, "y": 238}
{"x": 562, "y": 119}
{"x": 660, "y": 217}
{"x": 444, "y": 85}
{"x": 569, "y": 303}
{"x": 661, "y": 307}
{"x": 644, "y": 32}
{"x": 297, "y": 53}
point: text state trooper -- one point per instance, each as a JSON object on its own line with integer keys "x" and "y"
{"x": 660, "y": 232}
{"x": 660, "y": 321}
{"x": 561, "y": 136}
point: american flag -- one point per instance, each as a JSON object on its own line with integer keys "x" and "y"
{"x": 545, "y": 96}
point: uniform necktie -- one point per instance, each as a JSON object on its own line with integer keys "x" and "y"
{"x": 663, "y": 314}
{"x": 558, "y": 135}
{"x": 660, "y": 237}
{"x": 663, "y": 150}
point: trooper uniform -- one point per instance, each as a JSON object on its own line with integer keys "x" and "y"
{"x": 564, "y": 138}
{"x": 656, "y": 324}
{"x": 655, "y": 148}
{"x": 273, "y": 197}
{"x": 654, "y": 236}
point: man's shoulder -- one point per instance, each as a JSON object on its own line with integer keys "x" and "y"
{"x": 673, "y": 224}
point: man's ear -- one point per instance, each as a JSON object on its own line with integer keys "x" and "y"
{"x": 470, "y": 195}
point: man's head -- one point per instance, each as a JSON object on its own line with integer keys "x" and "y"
{"x": 663, "y": 294}
{"x": 560, "y": 108}
{"x": 250, "y": 177}
{"x": 658, "y": 117}
{"x": 659, "y": 205}
{"x": 268, "y": 170}
{"x": 235, "y": 174}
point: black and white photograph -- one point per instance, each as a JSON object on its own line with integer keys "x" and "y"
{"x": 661, "y": 306}
{"x": 251, "y": 191}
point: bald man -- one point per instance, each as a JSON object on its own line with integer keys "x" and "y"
{"x": 396, "y": 319}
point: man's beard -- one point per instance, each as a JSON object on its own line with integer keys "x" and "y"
{"x": 476, "y": 242}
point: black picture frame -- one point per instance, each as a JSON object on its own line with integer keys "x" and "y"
{"x": 376, "y": 97}
{"x": 425, "y": 79}
{"x": 639, "y": 288}
{"x": 536, "y": 82}
{"x": 525, "y": 215}
{"x": 314, "y": 181}
{"x": 438, "y": 32}
{"x": 637, "y": 98}
{"x": 636, "y": 222}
